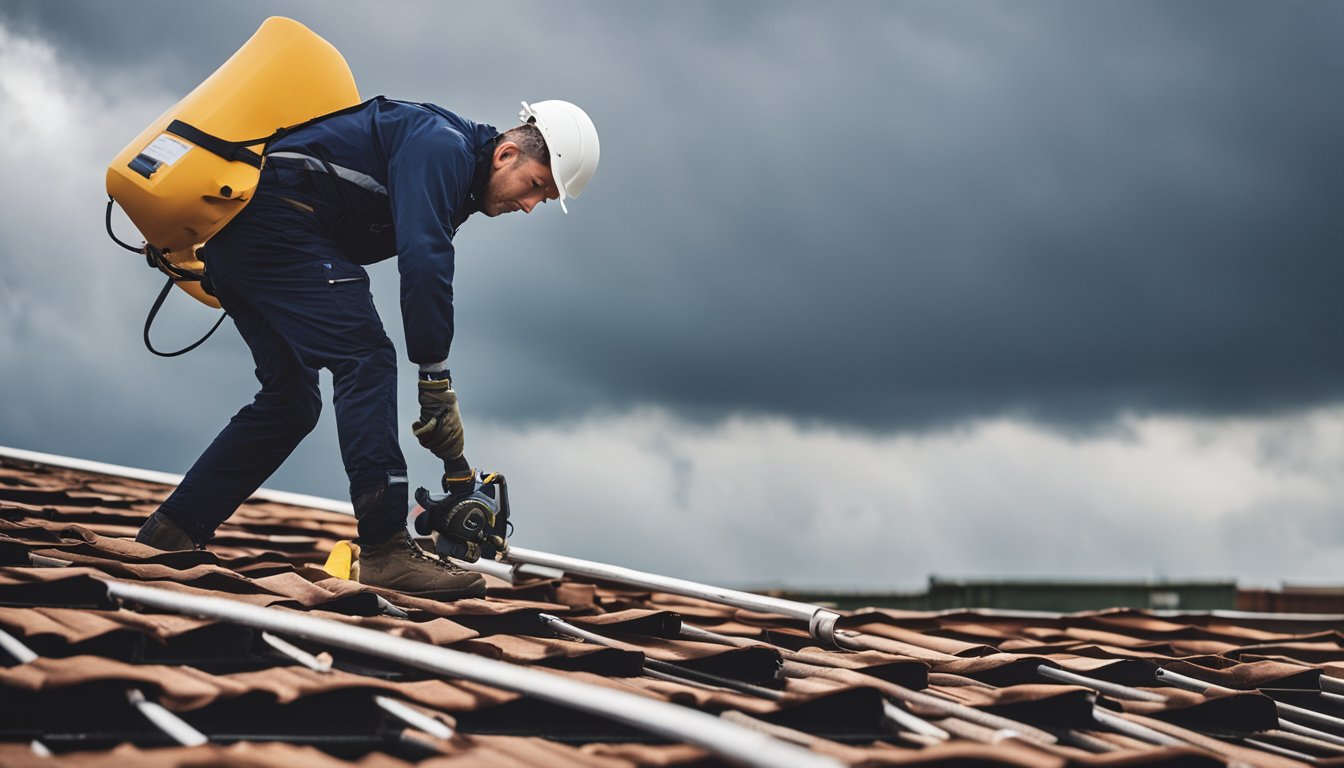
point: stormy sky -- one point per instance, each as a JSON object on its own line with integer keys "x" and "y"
{"x": 860, "y": 292}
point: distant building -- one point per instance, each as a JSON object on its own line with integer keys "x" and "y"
{"x": 1043, "y": 595}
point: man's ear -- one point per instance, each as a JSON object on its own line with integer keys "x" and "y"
{"x": 505, "y": 153}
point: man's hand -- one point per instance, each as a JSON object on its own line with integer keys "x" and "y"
{"x": 439, "y": 428}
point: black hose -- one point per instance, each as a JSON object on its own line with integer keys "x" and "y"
{"x": 153, "y": 311}
{"x": 110, "y": 234}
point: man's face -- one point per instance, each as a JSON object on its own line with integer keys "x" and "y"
{"x": 518, "y": 183}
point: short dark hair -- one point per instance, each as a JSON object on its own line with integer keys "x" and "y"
{"x": 530, "y": 142}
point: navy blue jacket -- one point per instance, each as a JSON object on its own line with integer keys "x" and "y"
{"x": 392, "y": 178}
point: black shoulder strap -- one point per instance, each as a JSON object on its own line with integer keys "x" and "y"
{"x": 229, "y": 150}
{"x": 237, "y": 151}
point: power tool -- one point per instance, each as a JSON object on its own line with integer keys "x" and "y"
{"x": 467, "y": 526}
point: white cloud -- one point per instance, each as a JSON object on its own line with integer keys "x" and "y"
{"x": 64, "y": 280}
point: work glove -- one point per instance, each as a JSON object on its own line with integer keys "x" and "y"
{"x": 439, "y": 429}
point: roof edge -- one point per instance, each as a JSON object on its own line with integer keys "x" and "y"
{"x": 167, "y": 478}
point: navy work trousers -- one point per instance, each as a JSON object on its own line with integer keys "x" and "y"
{"x": 300, "y": 307}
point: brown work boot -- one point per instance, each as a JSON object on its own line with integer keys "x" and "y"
{"x": 162, "y": 533}
{"x": 400, "y": 564}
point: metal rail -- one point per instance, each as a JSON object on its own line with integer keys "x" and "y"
{"x": 1134, "y": 730}
{"x": 732, "y": 743}
{"x": 820, "y": 622}
{"x": 1114, "y": 690}
{"x": 176, "y": 728}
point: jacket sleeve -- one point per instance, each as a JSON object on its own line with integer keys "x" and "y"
{"x": 428, "y": 173}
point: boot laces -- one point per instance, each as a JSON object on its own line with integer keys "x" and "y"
{"x": 419, "y": 553}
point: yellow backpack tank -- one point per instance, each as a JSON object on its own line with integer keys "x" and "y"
{"x": 196, "y": 166}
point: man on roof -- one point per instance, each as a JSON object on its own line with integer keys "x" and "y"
{"x": 389, "y": 179}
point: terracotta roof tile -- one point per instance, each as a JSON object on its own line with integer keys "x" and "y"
{"x": 990, "y": 688}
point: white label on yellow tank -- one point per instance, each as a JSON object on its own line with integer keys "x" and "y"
{"x": 166, "y": 149}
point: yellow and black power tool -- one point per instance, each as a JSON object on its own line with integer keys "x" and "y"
{"x": 467, "y": 526}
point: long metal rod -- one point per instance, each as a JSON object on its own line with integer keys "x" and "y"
{"x": 913, "y": 723}
{"x": 1299, "y": 714}
{"x": 14, "y": 647}
{"x": 821, "y": 622}
{"x": 1110, "y": 689}
{"x": 177, "y": 729}
{"x": 1275, "y": 749}
{"x": 413, "y": 718}
{"x": 296, "y": 653}
{"x": 1309, "y": 716}
{"x": 735, "y": 744}
{"x": 1302, "y": 730}
{"x": 1304, "y": 740}
{"x": 1134, "y": 730}
{"x": 1189, "y": 683}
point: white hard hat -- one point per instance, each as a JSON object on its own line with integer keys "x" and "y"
{"x": 572, "y": 141}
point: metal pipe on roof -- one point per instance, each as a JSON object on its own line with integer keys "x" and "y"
{"x": 1134, "y": 730}
{"x": 1101, "y": 686}
{"x": 979, "y": 733}
{"x": 494, "y": 568}
{"x": 732, "y": 743}
{"x": 1278, "y": 750}
{"x": 176, "y": 728}
{"x": 1300, "y": 714}
{"x": 414, "y": 718}
{"x": 1306, "y": 740}
{"x": 297, "y": 654}
{"x": 11, "y": 645}
{"x": 1302, "y": 730}
{"x": 1310, "y": 716}
{"x": 1189, "y": 683}
{"x": 706, "y": 636}
{"x": 820, "y": 621}
{"x": 913, "y": 723}
{"x": 1331, "y": 684}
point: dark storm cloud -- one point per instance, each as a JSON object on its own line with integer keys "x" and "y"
{"x": 880, "y": 214}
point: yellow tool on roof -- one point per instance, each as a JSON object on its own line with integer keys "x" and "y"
{"x": 186, "y": 175}
{"x": 343, "y": 562}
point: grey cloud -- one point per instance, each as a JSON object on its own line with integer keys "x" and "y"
{"x": 888, "y": 215}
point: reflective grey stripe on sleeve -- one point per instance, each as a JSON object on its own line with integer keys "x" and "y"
{"x": 362, "y": 180}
